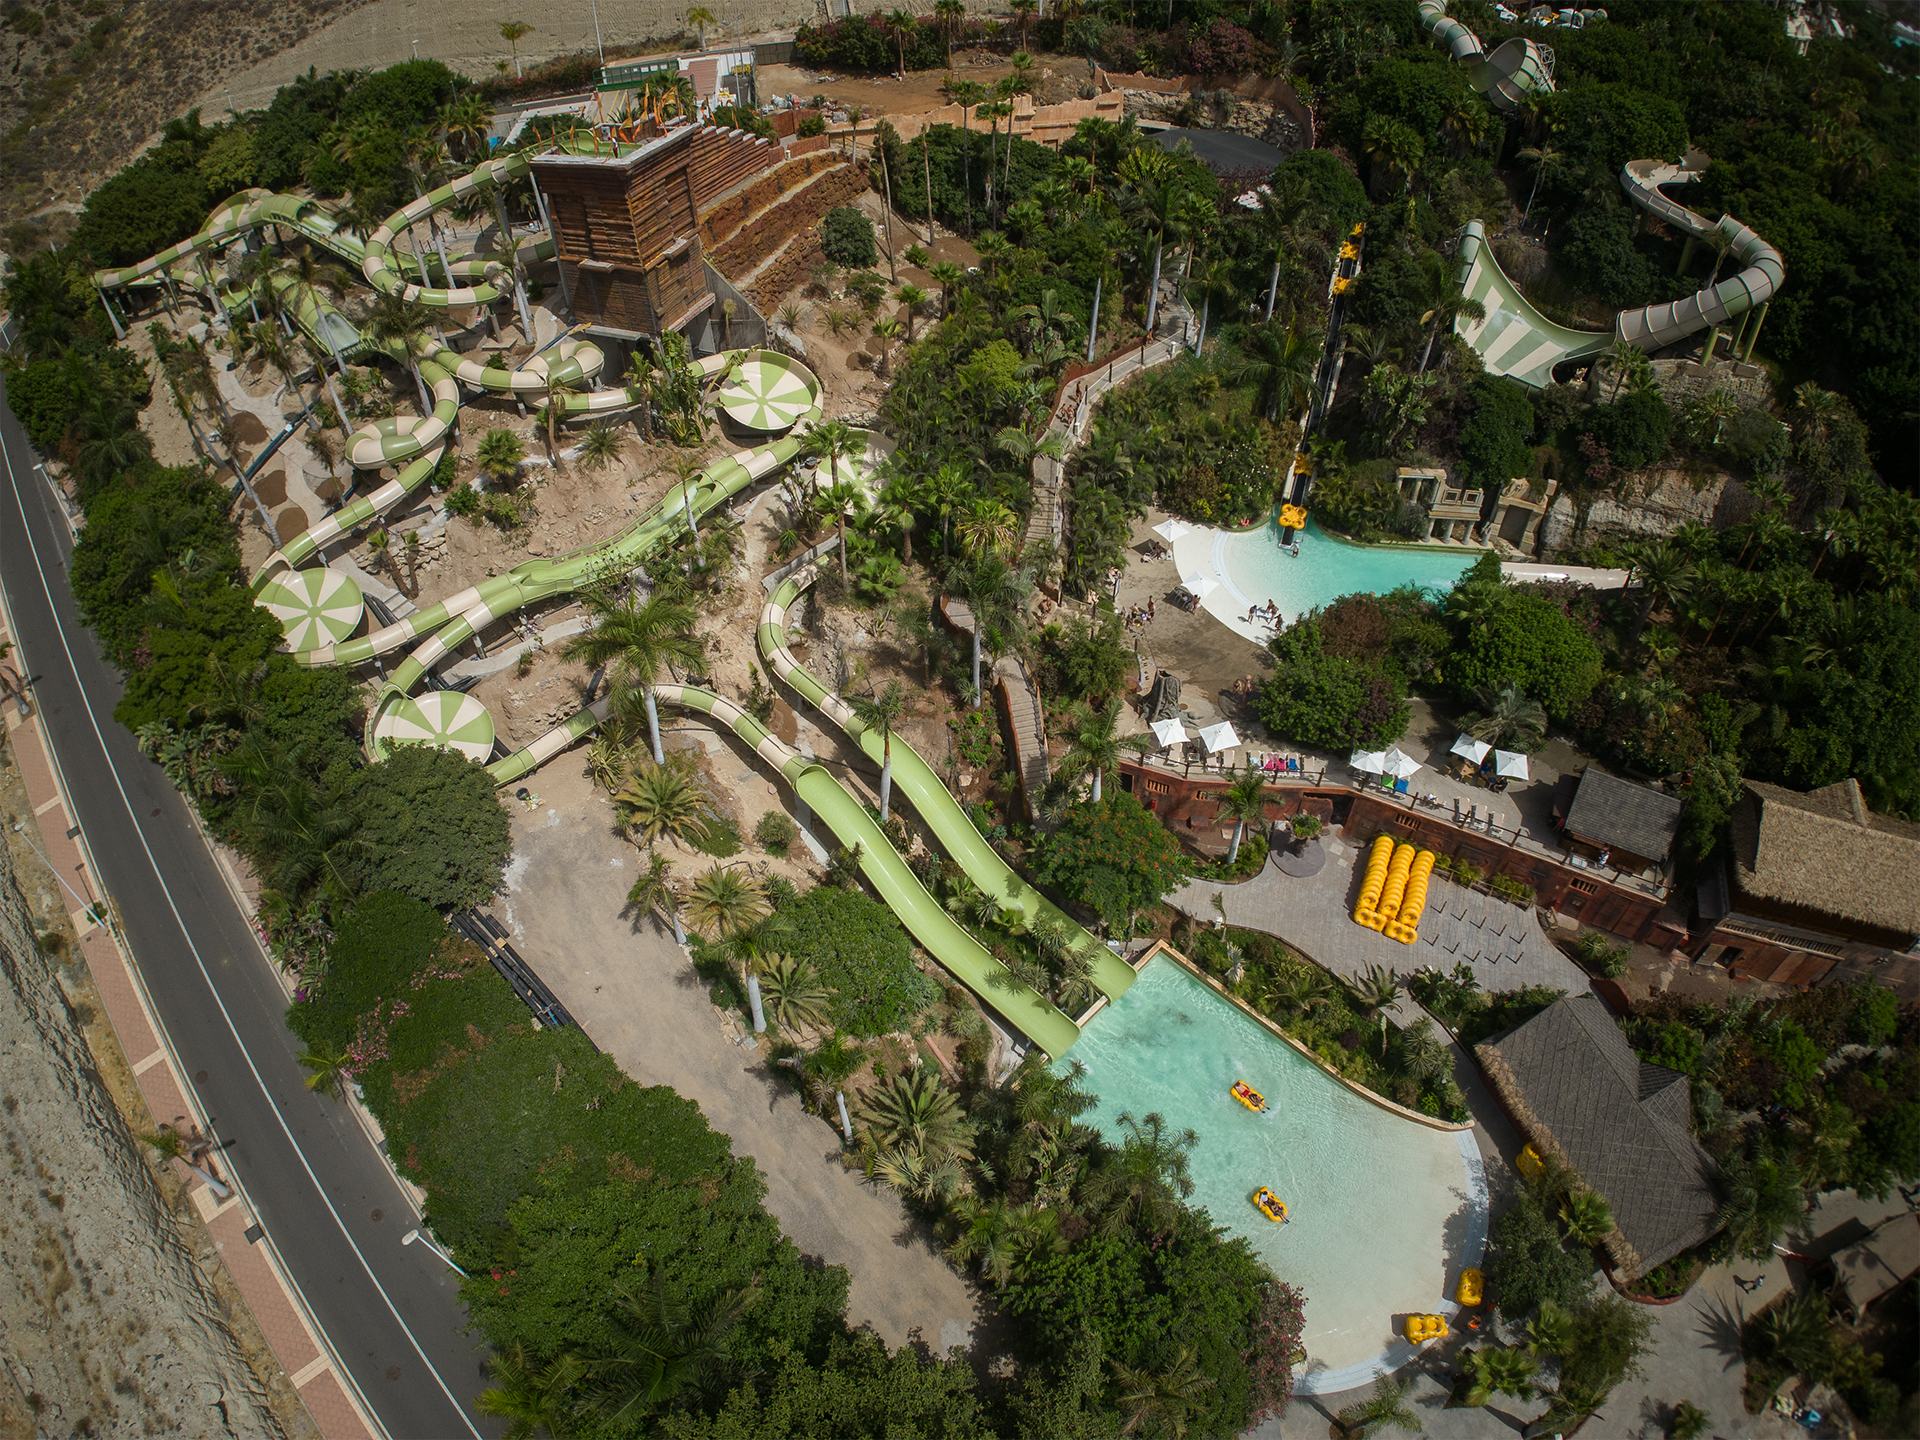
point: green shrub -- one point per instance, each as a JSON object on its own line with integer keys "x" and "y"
{"x": 431, "y": 826}
{"x": 463, "y": 500}
{"x": 717, "y": 837}
{"x": 812, "y": 125}
{"x": 1529, "y": 1263}
{"x": 775, "y": 832}
{"x": 846, "y": 238}
{"x": 1635, "y": 429}
{"x": 863, "y": 955}
{"x": 1494, "y": 441}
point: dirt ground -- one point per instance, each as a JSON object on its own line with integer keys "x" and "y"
{"x": 1056, "y": 78}
{"x": 638, "y": 997}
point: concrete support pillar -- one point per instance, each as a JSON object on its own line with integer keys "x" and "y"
{"x": 1686, "y": 255}
{"x": 1739, "y": 333}
{"x": 1713, "y": 341}
{"x": 1753, "y": 335}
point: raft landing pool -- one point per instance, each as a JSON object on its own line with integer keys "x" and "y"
{"x": 1386, "y": 1213}
{"x": 1252, "y": 569}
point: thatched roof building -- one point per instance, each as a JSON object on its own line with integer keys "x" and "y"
{"x": 1574, "y": 1086}
{"x": 1824, "y": 861}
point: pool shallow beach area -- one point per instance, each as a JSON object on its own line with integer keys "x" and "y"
{"x": 1252, "y": 569}
{"x": 1385, "y": 1212}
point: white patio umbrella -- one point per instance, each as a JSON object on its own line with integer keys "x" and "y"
{"x": 1371, "y": 761}
{"x": 1505, "y": 762}
{"x": 1398, "y": 765}
{"x": 1219, "y": 738}
{"x": 1169, "y": 732}
{"x": 1172, "y": 530}
{"x": 1474, "y": 750}
{"x": 1200, "y": 585}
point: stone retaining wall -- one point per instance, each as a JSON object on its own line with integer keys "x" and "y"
{"x": 719, "y": 224}
{"x": 796, "y": 211}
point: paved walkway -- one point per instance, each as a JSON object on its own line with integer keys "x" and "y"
{"x": 1502, "y": 943}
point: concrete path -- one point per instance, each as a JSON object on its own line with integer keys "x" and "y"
{"x": 1502, "y": 943}
{"x": 636, "y": 994}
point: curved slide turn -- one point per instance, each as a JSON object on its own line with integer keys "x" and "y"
{"x": 916, "y": 779}
{"x": 1515, "y": 339}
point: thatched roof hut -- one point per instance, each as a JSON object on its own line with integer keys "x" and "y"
{"x": 1573, "y": 1084}
{"x": 1822, "y": 856}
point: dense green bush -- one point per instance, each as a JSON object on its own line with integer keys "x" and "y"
{"x": 1529, "y": 1264}
{"x": 1494, "y": 440}
{"x": 862, "y": 954}
{"x": 1332, "y": 700}
{"x": 431, "y": 826}
{"x": 1532, "y": 641}
{"x": 1635, "y": 428}
{"x": 1111, "y": 859}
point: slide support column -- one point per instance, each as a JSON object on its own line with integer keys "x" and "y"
{"x": 1754, "y": 337}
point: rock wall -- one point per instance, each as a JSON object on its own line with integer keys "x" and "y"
{"x": 108, "y": 1325}
{"x": 721, "y": 222}
{"x": 1660, "y": 505}
{"x": 1220, "y": 110}
{"x": 798, "y": 211}
{"x": 786, "y": 270}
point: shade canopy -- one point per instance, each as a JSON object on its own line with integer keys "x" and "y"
{"x": 1474, "y": 750}
{"x": 1219, "y": 737}
{"x": 1201, "y": 585}
{"x": 1398, "y": 765}
{"x": 768, "y": 392}
{"x": 1169, "y": 732}
{"x": 444, "y": 718}
{"x": 1171, "y": 530}
{"x": 314, "y": 607}
{"x": 1505, "y": 762}
{"x": 1371, "y": 762}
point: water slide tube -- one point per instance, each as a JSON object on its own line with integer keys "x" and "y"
{"x": 928, "y": 794}
{"x": 1364, "y": 913}
{"x": 1515, "y": 339}
{"x": 1514, "y": 71}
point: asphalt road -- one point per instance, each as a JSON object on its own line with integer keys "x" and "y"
{"x": 322, "y": 1193}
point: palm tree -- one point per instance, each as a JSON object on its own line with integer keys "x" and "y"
{"x": 660, "y": 1346}
{"x": 834, "y": 441}
{"x": 996, "y": 594}
{"x": 1498, "y": 1370}
{"x": 1589, "y": 1218}
{"x": 311, "y": 278}
{"x": 1395, "y": 145}
{"x": 1542, "y": 157}
{"x": 499, "y": 455}
{"x": 402, "y": 325}
{"x": 1163, "y": 1396}
{"x": 550, "y": 413}
{"x": 988, "y": 527}
{"x": 1387, "y": 1405}
{"x": 1299, "y": 990}
{"x": 1140, "y": 1185}
{"x": 911, "y": 298}
{"x": 532, "y": 1397}
{"x": 724, "y": 902}
{"x": 1375, "y": 990}
{"x": 914, "y": 1113}
{"x": 112, "y": 442}
{"x": 636, "y": 639}
{"x": 886, "y": 330}
{"x": 1280, "y": 362}
{"x": 948, "y": 276}
{"x": 1444, "y": 299}
{"x": 307, "y": 839}
{"x": 654, "y": 891}
{"x": 1567, "y": 1408}
{"x": 794, "y": 993}
{"x": 640, "y": 374}
{"x": 950, "y": 14}
{"x": 966, "y": 94}
{"x": 902, "y": 25}
{"x": 1760, "y": 1199}
{"x": 513, "y": 32}
{"x": 880, "y": 712}
{"x": 600, "y": 447}
{"x": 1096, "y": 745}
{"x": 663, "y": 800}
{"x": 1507, "y": 718}
{"x": 1245, "y": 800}
{"x": 752, "y": 943}
{"x": 329, "y": 1067}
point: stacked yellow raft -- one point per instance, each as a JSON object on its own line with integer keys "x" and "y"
{"x": 1393, "y": 895}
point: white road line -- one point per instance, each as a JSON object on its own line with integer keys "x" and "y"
{"x": 233, "y": 1029}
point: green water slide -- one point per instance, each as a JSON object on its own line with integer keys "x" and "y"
{"x": 928, "y": 794}
{"x": 939, "y": 934}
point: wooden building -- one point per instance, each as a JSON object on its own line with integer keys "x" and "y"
{"x": 626, "y": 227}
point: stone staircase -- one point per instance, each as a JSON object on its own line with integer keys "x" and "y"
{"x": 1026, "y": 718}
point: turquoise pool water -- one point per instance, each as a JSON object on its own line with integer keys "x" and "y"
{"x": 1385, "y": 1212}
{"x": 1256, "y": 569}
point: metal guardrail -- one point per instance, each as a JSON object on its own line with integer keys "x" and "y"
{"x": 487, "y": 933}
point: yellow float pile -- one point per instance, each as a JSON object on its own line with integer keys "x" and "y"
{"x": 1393, "y": 895}
{"x": 1365, "y": 913}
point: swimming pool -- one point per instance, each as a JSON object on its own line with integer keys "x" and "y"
{"x": 1385, "y": 1213}
{"x": 1253, "y": 569}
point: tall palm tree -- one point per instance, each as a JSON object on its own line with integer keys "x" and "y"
{"x": 1139, "y": 1186}
{"x": 1096, "y": 745}
{"x": 1246, "y": 801}
{"x": 988, "y": 527}
{"x": 950, "y": 14}
{"x": 636, "y": 639}
{"x": 880, "y": 712}
{"x": 1444, "y": 299}
{"x": 886, "y": 330}
{"x": 1507, "y": 717}
{"x": 659, "y": 1347}
{"x": 700, "y": 17}
{"x": 663, "y": 800}
{"x": 834, "y": 441}
{"x": 1542, "y": 157}
{"x": 947, "y": 275}
{"x": 996, "y": 593}
{"x": 1280, "y": 362}
{"x": 1386, "y": 1406}
{"x": 532, "y": 1397}
{"x": 724, "y": 902}
{"x": 402, "y": 325}
{"x": 311, "y": 277}
{"x": 966, "y": 94}
{"x": 513, "y": 32}
{"x": 794, "y": 993}
{"x": 752, "y": 943}
{"x": 1163, "y": 1397}
{"x": 654, "y": 891}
